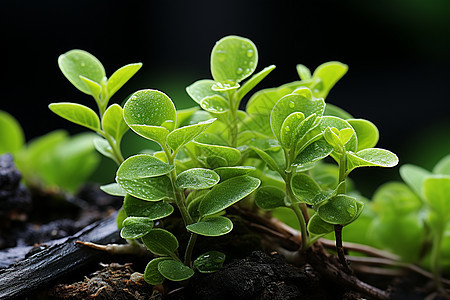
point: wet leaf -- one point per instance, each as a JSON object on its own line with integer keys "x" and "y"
{"x": 341, "y": 209}
{"x": 329, "y": 74}
{"x": 113, "y": 189}
{"x": 366, "y": 132}
{"x": 253, "y": 81}
{"x": 150, "y": 189}
{"x": 113, "y": 122}
{"x": 304, "y": 188}
{"x": 227, "y": 193}
{"x": 76, "y": 63}
{"x": 197, "y": 178}
{"x": 135, "y": 227}
{"x": 213, "y": 226}
{"x": 371, "y": 157}
{"x": 174, "y": 270}
{"x": 183, "y": 135}
{"x": 120, "y": 77}
{"x": 135, "y": 207}
{"x": 143, "y": 166}
{"x": 77, "y": 113}
{"x": 317, "y": 226}
{"x": 152, "y": 275}
{"x": 269, "y": 197}
{"x": 230, "y": 172}
{"x": 209, "y": 262}
{"x": 160, "y": 242}
{"x": 313, "y": 152}
{"x": 202, "y": 89}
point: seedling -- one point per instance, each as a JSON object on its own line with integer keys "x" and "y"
{"x": 88, "y": 75}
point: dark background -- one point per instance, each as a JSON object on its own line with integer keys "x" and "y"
{"x": 398, "y": 52}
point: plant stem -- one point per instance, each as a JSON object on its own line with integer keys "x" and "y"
{"x": 301, "y": 219}
{"x": 435, "y": 259}
{"x": 233, "y": 129}
{"x": 189, "y": 250}
{"x": 338, "y": 228}
{"x": 115, "y": 146}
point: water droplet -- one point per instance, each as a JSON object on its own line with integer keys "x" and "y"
{"x": 251, "y": 63}
{"x": 299, "y": 116}
{"x": 239, "y": 70}
{"x": 291, "y": 104}
{"x": 83, "y": 64}
{"x": 287, "y": 129}
{"x": 250, "y": 53}
{"x": 221, "y": 55}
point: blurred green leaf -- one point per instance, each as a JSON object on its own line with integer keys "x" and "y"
{"x": 12, "y": 137}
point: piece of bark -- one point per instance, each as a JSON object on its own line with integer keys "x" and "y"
{"x": 60, "y": 259}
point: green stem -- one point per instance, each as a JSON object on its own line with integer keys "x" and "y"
{"x": 303, "y": 230}
{"x": 233, "y": 129}
{"x": 115, "y": 146}
{"x": 189, "y": 250}
{"x": 435, "y": 259}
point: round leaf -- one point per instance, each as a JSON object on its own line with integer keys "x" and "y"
{"x": 437, "y": 194}
{"x": 77, "y": 113}
{"x": 135, "y": 227}
{"x": 174, "y": 270}
{"x": 76, "y": 63}
{"x": 213, "y": 226}
{"x": 160, "y": 242}
{"x": 152, "y": 275}
{"x": 202, "y": 89}
{"x": 209, "y": 262}
{"x": 215, "y": 104}
{"x": 227, "y": 193}
{"x": 290, "y": 124}
{"x": 197, "y": 178}
{"x": 290, "y": 104}
{"x": 150, "y": 108}
{"x": 317, "y": 226}
{"x": 113, "y": 122}
{"x": 229, "y": 155}
{"x": 269, "y": 197}
{"x": 341, "y": 209}
{"x": 329, "y": 73}
{"x": 140, "y": 208}
{"x": 150, "y": 189}
{"x": 366, "y": 132}
{"x": 339, "y": 124}
{"x": 142, "y": 166}
{"x": 304, "y": 188}
{"x": 313, "y": 152}
{"x": 233, "y": 59}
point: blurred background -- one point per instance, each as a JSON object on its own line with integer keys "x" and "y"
{"x": 398, "y": 52}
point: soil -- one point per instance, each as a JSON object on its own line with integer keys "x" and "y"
{"x": 31, "y": 220}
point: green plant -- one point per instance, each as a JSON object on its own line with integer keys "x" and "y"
{"x": 88, "y": 75}
{"x": 211, "y": 159}
{"x": 51, "y": 161}
{"x": 418, "y": 212}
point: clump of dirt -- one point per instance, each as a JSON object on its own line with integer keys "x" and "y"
{"x": 113, "y": 281}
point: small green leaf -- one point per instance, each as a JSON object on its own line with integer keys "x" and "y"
{"x": 229, "y": 172}
{"x": 303, "y": 72}
{"x": 304, "y": 188}
{"x": 414, "y": 176}
{"x": 120, "y": 77}
{"x": 269, "y": 197}
{"x": 293, "y": 103}
{"x": 94, "y": 87}
{"x": 135, "y": 207}
{"x": 76, "y": 63}
{"x": 197, "y": 179}
{"x": 313, "y": 152}
{"x": 150, "y": 189}
{"x": 233, "y": 59}
{"x": 366, "y": 132}
{"x": 290, "y": 124}
{"x": 209, "y": 262}
{"x": 213, "y": 226}
{"x": 77, "y": 113}
{"x": 12, "y": 137}
{"x": 225, "y": 87}
{"x": 104, "y": 148}
{"x": 113, "y": 189}
{"x": 253, "y": 81}
{"x": 150, "y": 108}
{"x": 443, "y": 166}
{"x": 193, "y": 201}
{"x": 184, "y": 116}
{"x": 317, "y": 226}
{"x": 113, "y": 122}
{"x": 155, "y": 133}
{"x": 267, "y": 159}
{"x": 202, "y": 89}
{"x": 339, "y": 124}
{"x": 329, "y": 74}
{"x": 152, "y": 275}
{"x": 227, "y": 193}
{"x": 341, "y": 209}
{"x": 437, "y": 195}
{"x": 371, "y": 157}
{"x": 160, "y": 242}
{"x": 230, "y": 155}
{"x": 181, "y": 136}
{"x": 345, "y": 135}
{"x": 215, "y": 104}
{"x": 262, "y": 102}
{"x": 142, "y": 166}
{"x": 135, "y": 227}
{"x": 175, "y": 270}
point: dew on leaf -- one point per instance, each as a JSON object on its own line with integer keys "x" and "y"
{"x": 291, "y": 104}
{"x": 250, "y": 53}
{"x": 239, "y": 71}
